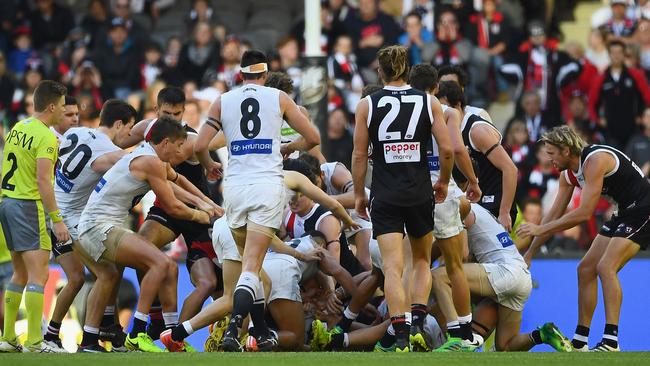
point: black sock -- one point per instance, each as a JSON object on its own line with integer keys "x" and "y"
{"x": 139, "y": 326}
{"x": 453, "y": 328}
{"x": 257, "y": 316}
{"x": 466, "y": 331}
{"x": 345, "y": 323}
{"x": 610, "y": 336}
{"x": 401, "y": 328}
{"x": 179, "y": 333}
{"x": 337, "y": 341}
{"x": 387, "y": 340}
{"x": 536, "y": 337}
{"x": 107, "y": 320}
{"x": 52, "y": 333}
{"x": 89, "y": 338}
{"x": 580, "y": 337}
{"x": 418, "y": 314}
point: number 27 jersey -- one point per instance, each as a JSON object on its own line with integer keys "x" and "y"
{"x": 74, "y": 177}
{"x": 399, "y": 127}
{"x": 252, "y": 124}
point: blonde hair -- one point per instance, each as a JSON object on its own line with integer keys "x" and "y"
{"x": 564, "y": 136}
{"x": 393, "y": 61}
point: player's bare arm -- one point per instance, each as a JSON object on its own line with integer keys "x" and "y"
{"x": 207, "y": 132}
{"x": 445, "y": 151}
{"x": 461, "y": 155}
{"x": 342, "y": 181}
{"x": 487, "y": 140}
{"x": 360, "y": 158}
{"x": 199, "y": 200}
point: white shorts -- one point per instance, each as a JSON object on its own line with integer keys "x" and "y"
{"x": 511, "y": 283}
{"x": 375, "y": 255}
{"x": 223, "y": 243}
{"x": 446, "y": 220}
{"x": 71, "y": 223}
{"x": 262, "y": 204}
{"x": 285, "y": 275}
{"x": 365, "y": 225}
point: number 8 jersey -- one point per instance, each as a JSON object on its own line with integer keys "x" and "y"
{"x": 74, "y": 177}
{"x": 252, "y": 123}
{"x": 399, "y": 127}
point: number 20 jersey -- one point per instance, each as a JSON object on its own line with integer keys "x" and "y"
{"x": 252, "y": 124}
{"x": 74, "y": 178}
{"x": 399, "y": 127}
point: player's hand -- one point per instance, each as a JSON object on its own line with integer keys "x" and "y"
{"x": 371, "y": 311}
{"x": 211, "y": 208}
{"x": 473, "y": 192}
{"x": 528, "y": 229}
{"x": 360, "y": 206}
{"x": 311, "y": 256}
{"x": 440, "y": 191}
{"x": 286, "y": 150}
{"x": 61, "y": 232}
{"x": 351, "y": 225}
{"x": 506, "y": 220}
{"x": 214, "y": 172}
{"x": 201, "y": 217}
{"x": 333, "y": 305}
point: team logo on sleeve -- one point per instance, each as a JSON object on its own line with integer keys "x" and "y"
{"x": 402, "y": 152}
{"x": 253, "y": 146}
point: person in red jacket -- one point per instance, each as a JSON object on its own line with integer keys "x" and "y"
{"x": 622, "y": 93}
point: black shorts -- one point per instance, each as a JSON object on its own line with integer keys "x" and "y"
{"x": 389, "y": 218}
{"x": 192, "y": 231}
{"x": 633, "y": 225}
{"x": 60, "y": 249}
{"x": 199, "y": 250}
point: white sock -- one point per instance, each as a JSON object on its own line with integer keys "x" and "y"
{"x": 346, "y": 340}
{"x": 171, "y": 319}
{"x": 140, "y": 316}
{"x": 91, "y": 330}
{"x": 465, "y": 319}
{"x": 188, "y": 327}
{"x": 349, "y": 314}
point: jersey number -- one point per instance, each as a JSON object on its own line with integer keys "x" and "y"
{"x": 81, "y": 149}
{"x": 14, "y": 165}
{"x": 392, "y": 114}
{"x": 250, "y": 123}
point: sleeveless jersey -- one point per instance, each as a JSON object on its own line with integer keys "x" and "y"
{"x": 252, "y": 123}
{"x": 75, "y": 179}
{"x": 490, "y": 179}
{"x": 303, "y": 245}
{"x": 626, "y": 184}
{"x": 328, "y": 169}
{"x": 399, "y": 127}
{"x": 297, "y": 225}
{"x": 489, "y": 242}
{"x": 433, "y": 158}
{"x": 116, "y": 193}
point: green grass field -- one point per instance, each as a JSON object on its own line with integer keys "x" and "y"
{"x": 329, "y": 359}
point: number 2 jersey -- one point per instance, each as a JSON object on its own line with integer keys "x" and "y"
{"x": 252, "y": 121}
{"x": 399, "y": 127}
{"x": 74, "y": 177}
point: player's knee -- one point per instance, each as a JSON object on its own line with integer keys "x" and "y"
{"x": 171, "y": 268}
{"x": 605, "y": 269}
{"x": 586, "y": 270}
{"x": 76, "y": 280}
{"x": 207, "y": 285}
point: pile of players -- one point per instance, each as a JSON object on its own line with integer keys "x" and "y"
{"x": 300, "y": 251}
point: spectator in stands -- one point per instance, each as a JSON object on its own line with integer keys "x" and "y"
{"x": 7, "y": 88}
{"x": 153, "y": 66}
{"x": 539, "y": 176}
{"x": 289, "y": 53}
{"x": 87, "y": 82}
{"x": 488, "y": 30}
{"x": 371, "y": 29}
{"x": 96, "y": 22}
{"x": 50, "y": 22}
{"x": 118, "y": 62}
{"x": 73, "y": 55}
{"x": 25, "y": 108}
{"x": 517, "y": 141}
{"x": 578, "y": 111}
{"x": 339, "y": 137}
{"x": 597, "y": 51}
{"x": 620, "y": 25}
{"x": 417, "y": 39}
{"x": 344, "y": 73}
{"x": 622, "y": 93}
{"x": 422, "y": 7}
{"x": 536, "y": 121}
{"x": 331, "y": 29}
{"x": 229, "y": 70}
{"x": 17, "y": 60}
{"x": 199, "y": 54}
{"x": 192, "y": 114}
{"x": 642, "y": 37}
{"x": 170, "y": 73}
{"x": 201, "y": 12}
{"x": 462, "y": 9}
{"x": 638, "y": 148}
{"x": 139, "y": 34}
{"x": 540, "y": 66}
{"x": 582, "y": 83}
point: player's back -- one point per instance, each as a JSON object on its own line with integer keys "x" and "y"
{"x": 488, "y": 240}
{"x": 75, "y": 178}
{"x": 252, "y": 120}
{"x": 116, "y": 193}
{"x": 399, "y": 127}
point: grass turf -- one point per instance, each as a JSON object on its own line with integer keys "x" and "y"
{"x": 327, "y": 359}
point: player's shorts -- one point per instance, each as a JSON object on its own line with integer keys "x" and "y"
{"x": 101, "y": 241}
{"x": 6, "y": 271}
{"x": 59, "y": 249}
{"x": 375, "y": 255}
{"x": 365, "y": 224}
{"x": 389, "y": 218}
{"x": 24, "y": 225}
{"x": 630, "y": 224}
{"x": 262, "y": 204}
{"x": 192, "y": 231}
{"x": 223, "y": 243}
{"x": 511, "y": 283}
{"x": 200, "y": 250}
{"x": 447, "y": 222}
{"x": 285, "y": 275}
